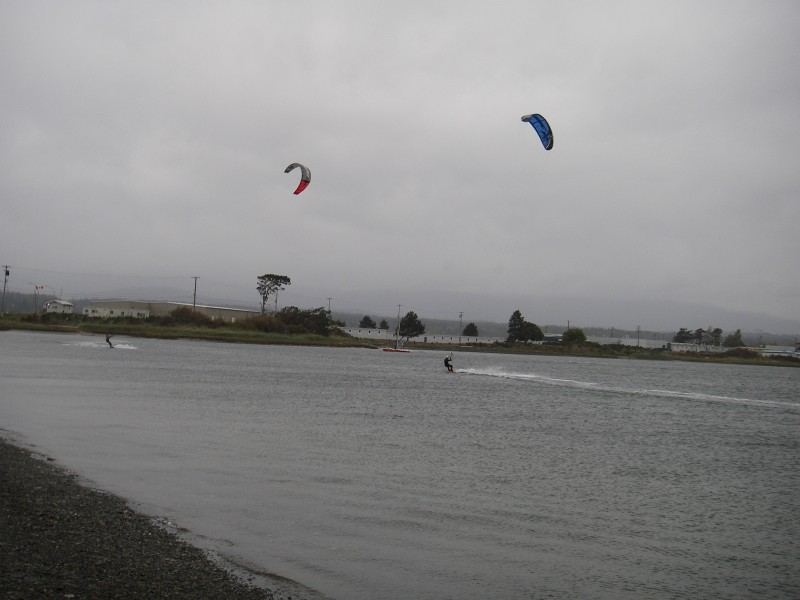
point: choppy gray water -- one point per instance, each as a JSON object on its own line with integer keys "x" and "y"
{"x": 373, "y": 475}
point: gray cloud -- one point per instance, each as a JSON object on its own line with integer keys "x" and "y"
{"x": 149, "y": 140}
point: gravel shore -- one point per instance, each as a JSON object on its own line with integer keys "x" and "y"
{"x": 59, "y": 539}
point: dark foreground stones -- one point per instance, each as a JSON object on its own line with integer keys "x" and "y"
{"x": 59, "y": 539}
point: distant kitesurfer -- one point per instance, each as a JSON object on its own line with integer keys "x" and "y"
{"x": 448, "y": 363}
{"x": 108, "y": 340}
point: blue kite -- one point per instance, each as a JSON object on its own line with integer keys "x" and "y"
{"x": 542, "y": 127}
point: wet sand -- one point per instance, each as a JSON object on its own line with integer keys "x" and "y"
{"x": 61, "y": 539}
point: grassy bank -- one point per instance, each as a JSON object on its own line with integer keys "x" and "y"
{"x": 242, "y": 335}
{"x": 616, "y": 351}
{"x": 171, "y": 332}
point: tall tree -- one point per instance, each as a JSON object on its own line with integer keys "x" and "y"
{"x": 383, "y": 324}
{"x": 531, "y": 332}
{"x": 270, "y": 284}
{"x": 515, "y": 325}
{"x": 411, "y": 326}
{"x": 520, "y": 330}
{"x": 734, "y": 340}
{"x": 574, "y": 335}
{"x": 367, "y": 322}
{"x": 471, "y": 330}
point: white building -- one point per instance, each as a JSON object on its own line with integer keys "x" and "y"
{"x": 58, "y": 306}
{"x": 688, "y": 347}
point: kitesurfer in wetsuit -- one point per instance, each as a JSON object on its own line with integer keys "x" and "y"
{"x": 448, "y": 363}
{"x": 108, "y": 340}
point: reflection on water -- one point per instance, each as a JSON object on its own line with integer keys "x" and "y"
{"x": 366, "y": 474}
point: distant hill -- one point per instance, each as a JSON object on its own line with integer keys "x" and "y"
{"x": 492, "y": 329}
{"x": 591, "y": 314}
{"x": 599, "y": 317}
{"x": 16, "y": 302}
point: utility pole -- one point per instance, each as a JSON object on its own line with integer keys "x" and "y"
{"x": 36, "y": 289}
{"x": 194, "y": 298}
{"x": 5, "y": 281}
{"x": 460, "y": 326}
{"x": 397, "y": 329}
{"x": 638, "y": 332}
{"x": 329, "y": 306}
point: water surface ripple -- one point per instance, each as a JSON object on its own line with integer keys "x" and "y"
{"x": 372, "y": 475}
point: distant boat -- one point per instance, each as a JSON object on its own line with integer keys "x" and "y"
{"x": 397, "y": 347}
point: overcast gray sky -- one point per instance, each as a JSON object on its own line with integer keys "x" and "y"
{"x": 147, "y": 140}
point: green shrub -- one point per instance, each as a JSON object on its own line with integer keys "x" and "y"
{"x": 292, "y": 320}
{"x": 265, "y": 323}
{"x": 741, "y": 353}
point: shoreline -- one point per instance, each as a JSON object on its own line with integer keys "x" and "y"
{"x": 240, "y": 337}
{"x": 61, "y": 538}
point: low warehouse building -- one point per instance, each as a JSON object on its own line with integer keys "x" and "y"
{"x": 137, "y": 309}
{"x": 112, "y": 309}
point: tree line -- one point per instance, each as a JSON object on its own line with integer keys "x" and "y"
{"x": 318, "y": 320}
{"x": 411, "y": 326}
{"x": 522, "y": 330}
{"x": 712, "y": 337}
{"x": 519, "y": 329}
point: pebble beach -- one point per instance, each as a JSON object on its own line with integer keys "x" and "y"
{"x": 62, "y": 539}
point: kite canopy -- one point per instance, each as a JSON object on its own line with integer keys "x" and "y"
{"x": 305, "y": 176}
{"x": 542, "y": 127}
